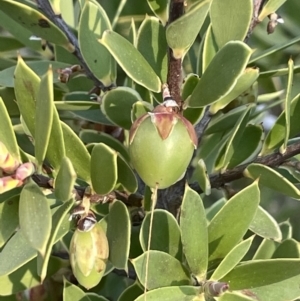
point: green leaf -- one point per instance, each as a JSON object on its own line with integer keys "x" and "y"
{"x": 58, "y": 218}
{"x": 73, "y": 292}
{"x": 277, "y": 134}
{"x": 244, "y": 82}
{"x": 35, "y": 216}
{"x": 264, "y": 225}
{"x": 287, "y": 105}
{"x": 182, "y": 33}
{"x": 232, "y": 259}
{"x": 92, "y": 136}
{"x": 230, "y": 20}
{"x": 103, "y": 168}
{"x": 77, "y": 153}
{"x": 278, "y": 72}
{"x": 117, "y": 105}
{"x": 249, "y": 146}
{"x": 164, "y": 225}
{"x": 215, "y": 83}
{"x": 265, "y": 279}
{"x": 241, "y": 208}
{"x": 286, "y": 229}
{"x": 38, "y": 67}
{"x": 210, "y": 49}
{"x": 272, "y": 50}
{"x": 270, "y": 7}
{"x": 140, "y": 108}
{"x": 65, "y": 180}
{"x": 93, "y": 22}
{"x": 118, "y": 235}
{"x": 8, "y": 137}
{"x": 272, "y": 179}
{"x": 43, "y": 116}
{"x": 236, "y": 296}
{"x": 233, "y": 141}
{"x": 201, "y": 176}
{"x": 131, "y": 60}
{"x": 265, "y": 250}
{"x": 25, "y": 277}
{"x": 26, "y": 90}
{"x": 160, "y": 9}
{"x": 194, "y": 235}
{"x": 126, "y": 176}
{"x": 9, "y": 220}
{"x": 170, "y": 273}
{"x": 152, "y": 44}
{"x": 131, "y": 292}
{"x": 289, "y": 248}
{"x": 173, "y": 293}
{"x": 36, "y": 22}
{"x": 215, "y": 208}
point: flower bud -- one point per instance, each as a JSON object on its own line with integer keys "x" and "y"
{"x": 24, "y": 171}
{"x": 7, "y": 162}
{"x": 161, "y": 145}
{"x": 8, "y": 183}
{"x": 88, "y": 252}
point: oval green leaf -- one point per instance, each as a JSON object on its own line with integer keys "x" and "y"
{"x": 65, "y": 180}
{"x": 117, "y": 105}
{"x": 215, "y": 83}
{"x": 232, "y": 259}
{"x": 173, "y": 293}
{"x": 118, "y": 235}
{"x": 35, "y": 216}
{"x": 194, "y": 235}
{"x": 265, "y": 279}
{"x": 287, "y": 249}
{"x": 152, "y": 44}
{"x": 131, "y": 60}
{"x": 164, "y": 225}
{"x": 272, "y": 179}
{"x": 93, "y": 22}
{"x": 163, "y": 270}
{"x": 43, "y": 116}
{"x": 36, "y": 22}
{"x": 264, "y": 225}
{"x": 228, "y": 26}
{"x": 241, "y": 208}
{"x": 103, "y": 168}
{"x": 182, "y": 33}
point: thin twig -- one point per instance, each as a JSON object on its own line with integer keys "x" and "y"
{"x": 46, "y": 8}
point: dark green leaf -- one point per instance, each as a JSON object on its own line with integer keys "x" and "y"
{"x": 289, "y": 248}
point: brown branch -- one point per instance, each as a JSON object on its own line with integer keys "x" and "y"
{"x": 272, "y": 160}
{"x": 47, "y": 9}
{"x": 257, "y": 7}
{"x": 174, "y": 77}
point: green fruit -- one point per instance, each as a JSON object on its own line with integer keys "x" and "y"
{"x": 161, "y": 146}
{"x": 88, "y": 255}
